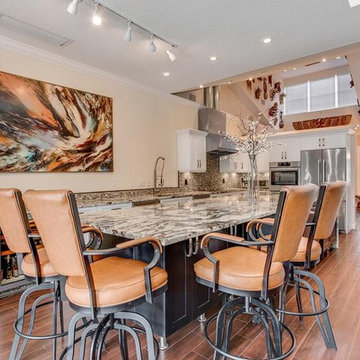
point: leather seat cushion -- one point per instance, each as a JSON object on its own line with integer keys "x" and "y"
{"x": 28, "y": 266}
{"x": 241, "y": 268}
{"x": 116, "y": 281}
{"x": 301, "y": 253}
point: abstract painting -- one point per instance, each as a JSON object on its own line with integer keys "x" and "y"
{"x": 51, "y": 128}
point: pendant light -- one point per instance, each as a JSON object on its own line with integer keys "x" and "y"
{"x": 171, "y": 55}
{"x": 72, "y": 8}
{"x": 96, "y": 19}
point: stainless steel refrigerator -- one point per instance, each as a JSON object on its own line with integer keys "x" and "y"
{"x": 328, "y": 165}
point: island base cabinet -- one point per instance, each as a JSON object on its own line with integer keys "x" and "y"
{"x": 184, "y": 299}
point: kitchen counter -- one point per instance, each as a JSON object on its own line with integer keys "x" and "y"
{"x": 178, "y": 222}
{"x": 179, "y": 227}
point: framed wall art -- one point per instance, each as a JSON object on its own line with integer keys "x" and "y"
{"x": 51, "y": 128}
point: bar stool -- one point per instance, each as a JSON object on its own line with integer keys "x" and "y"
{"x": 107, "y": 288}
{"x": 20, "y": 235}
{"x": 251, "y": 276}
{"x": 36, "y": 267}
{"x": 308, "y": 255}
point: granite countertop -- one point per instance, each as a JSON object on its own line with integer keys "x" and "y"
{"x": 139, "y": 199}
{"x": 178, "y": 222}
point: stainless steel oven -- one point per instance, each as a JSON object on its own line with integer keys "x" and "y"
{"x": 283, "y": 174}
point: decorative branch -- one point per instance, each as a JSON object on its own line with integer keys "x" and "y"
{"x": 253, "y": 135}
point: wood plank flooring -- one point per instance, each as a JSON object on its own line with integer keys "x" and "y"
{"x": 340, "y": 271}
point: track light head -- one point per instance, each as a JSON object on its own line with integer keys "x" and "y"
{"x": 128, "y": 34}
{"x": 72, "y": 8}
{"x": 171, "y": 55}
{"x": 96, "y": 19}
{"x": 152, "y": 46}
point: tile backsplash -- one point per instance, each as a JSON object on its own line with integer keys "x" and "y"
{"x": 212, "y": 179}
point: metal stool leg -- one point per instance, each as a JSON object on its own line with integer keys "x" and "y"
{"x": 325, "y": 329}
{"x": 298, "y": 299}
{"x": 20, "y": 318}
{"x": 146, "y": 326}
{"x": 71, "y": 335}
{"x": 123, "y": 342}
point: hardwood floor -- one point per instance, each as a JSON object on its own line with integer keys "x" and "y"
{"x": 340, "y": 271}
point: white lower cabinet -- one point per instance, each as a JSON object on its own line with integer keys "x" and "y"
{"x": 191, "y": 150}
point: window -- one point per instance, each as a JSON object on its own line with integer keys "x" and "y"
{"x": 322, "y": 94}
{"x": 296, "y": 99}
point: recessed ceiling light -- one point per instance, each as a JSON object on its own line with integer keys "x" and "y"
{"x": 324, "y": 60}
{"x": 166, "y": 73}
{"x": 294, "y": 68}
{"x": 213, "y": 58}
{"x": 266, "y": 40}
{"x": 338, "y": 57}
{"x": 354, "y": 3}
{"x": 201, "y": 86}
{"x": 285, "y": 70}
{"x": 229, "y": 82}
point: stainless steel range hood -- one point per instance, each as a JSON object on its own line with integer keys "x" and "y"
{"x": 213, "y": 122}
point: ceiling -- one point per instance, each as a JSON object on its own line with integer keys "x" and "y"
{"x": 229, "y": 29}
{"x": 321, "y": 66}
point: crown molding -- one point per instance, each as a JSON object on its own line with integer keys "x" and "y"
{"x": 43, "y": 55}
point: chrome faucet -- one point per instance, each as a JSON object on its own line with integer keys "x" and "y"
{"x": 159, "y": 178}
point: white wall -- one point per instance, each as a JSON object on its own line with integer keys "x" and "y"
{"x": 144, "y": 128}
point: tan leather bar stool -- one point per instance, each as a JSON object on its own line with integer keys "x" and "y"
{"x": 308, "y": 255}
{"x": 251, "y": 276}
{"x": 36, "y": 267}
{"x": 106, "y": 288}
{"x": 20, "y": 235}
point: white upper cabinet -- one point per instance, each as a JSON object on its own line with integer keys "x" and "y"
{"x": 191, "y": 150}
{"x": 244, "y": 163}
{"x": 285, "y": 149}
{"x": 263, "y": 162}
{"x": 323, "y": 141}
{"x": 236, "y": 163}
{"x": 230, "y": 163}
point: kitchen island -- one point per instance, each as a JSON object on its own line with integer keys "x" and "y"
{"x": 180, "y": 227}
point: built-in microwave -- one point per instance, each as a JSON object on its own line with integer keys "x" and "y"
{"x": 284, "y": 174}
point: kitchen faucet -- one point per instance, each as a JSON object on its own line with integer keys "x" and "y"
{"x": 159, "y": 176}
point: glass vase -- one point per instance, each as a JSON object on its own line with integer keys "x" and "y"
{"x": 253, "y": 188}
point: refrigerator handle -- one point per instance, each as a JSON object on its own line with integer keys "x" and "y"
{"x": 319, "y": 180}
{"x": 324, "y": 170}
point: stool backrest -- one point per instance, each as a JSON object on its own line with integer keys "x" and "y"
{"x": 329, "y": 208}
{"x": 57, "y": 220}
{"x": 292, "y": 213}
{"x": 14, "y": 222}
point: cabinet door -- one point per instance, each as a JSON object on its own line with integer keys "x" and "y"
{"x": 291, "y": 149}
{"x": 333, "y": 141}
{"x": 310, "y": 142}
{"x": 276, "y": 153}
{"x": 263, "y": 162}
{"x": 328, "y": 141}
{"x": 201, "y": 152}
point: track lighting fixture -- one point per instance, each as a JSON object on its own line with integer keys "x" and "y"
{"x": 152, "y": 46}
{"x": 128, "y": 34}
{"x": 72, "y": 8}
{"x": 171, "y": 55}
{"x": 96, "y": 19}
